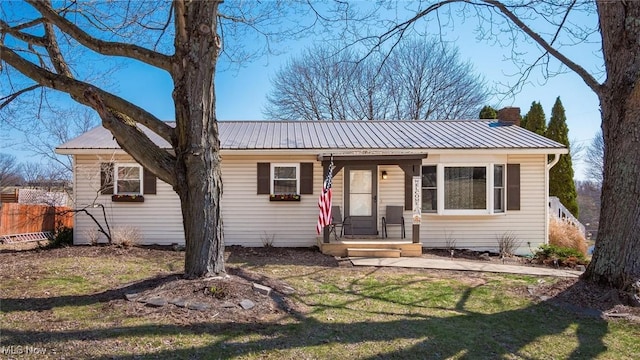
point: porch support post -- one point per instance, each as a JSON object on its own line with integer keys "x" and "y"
{"x": 411, "y": 170}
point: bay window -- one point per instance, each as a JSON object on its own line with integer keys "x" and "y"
{"x": 461, "y": 189}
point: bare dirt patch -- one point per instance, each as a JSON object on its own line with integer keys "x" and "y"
{"x": 590, "y": 299}
{"x": 220, "y": 298}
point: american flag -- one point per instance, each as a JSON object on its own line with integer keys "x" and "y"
{"x": 324, "y": 203}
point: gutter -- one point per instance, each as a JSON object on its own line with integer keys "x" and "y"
{"x": 549, "y": 165}
{"x": 556, "y": 158}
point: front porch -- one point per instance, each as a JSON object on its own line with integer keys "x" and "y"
{"x": 373, "y": 187}
{"x": 370, "y": 247}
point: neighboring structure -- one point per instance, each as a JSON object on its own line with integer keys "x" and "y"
{"x": 38, "y": 193}
{"x": 474, "y": 181}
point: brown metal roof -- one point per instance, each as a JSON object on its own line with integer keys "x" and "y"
{"x": 354, "y": 135}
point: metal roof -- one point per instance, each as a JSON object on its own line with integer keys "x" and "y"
{"x": 350, "y": 135}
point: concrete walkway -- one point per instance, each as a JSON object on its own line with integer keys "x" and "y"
{"x": 461, "y": 265}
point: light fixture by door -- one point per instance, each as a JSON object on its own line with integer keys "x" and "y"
{"x": 384, "y": 175}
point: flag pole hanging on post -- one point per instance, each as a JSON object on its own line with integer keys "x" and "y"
{"x": 324, "y": 202}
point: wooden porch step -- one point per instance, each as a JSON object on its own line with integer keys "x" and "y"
{"x": 406, "y": 248}
{"x": 381, "y": 253}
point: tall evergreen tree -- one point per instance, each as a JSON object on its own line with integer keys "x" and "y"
{"x": 535, "y": 119}
{"x": 488, "y": 112}
{"x": 561, "y": 175}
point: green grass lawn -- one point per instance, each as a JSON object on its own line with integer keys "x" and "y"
{"x": 61, "y": 305}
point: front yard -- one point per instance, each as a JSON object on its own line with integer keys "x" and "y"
{"x": 70, "y": 303}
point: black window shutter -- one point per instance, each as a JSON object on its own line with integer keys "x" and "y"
{"x": 306, "y": 178}
{"x": 408, "y": 190}
{"x": 149, "y": 182}
{"x": 264, "y": 178}
{"x": 513, "y": 186}
{"x": 106, "y": 178}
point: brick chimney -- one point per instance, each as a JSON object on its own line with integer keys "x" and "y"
{"x": 509, "y": 115}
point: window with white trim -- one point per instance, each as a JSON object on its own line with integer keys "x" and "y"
{"x": 429, "y": 189}
{"x": 498, "y": 188}
{"x": 285, "y": 179}
{"x": 461, "y": 189}
{"x": 128, "y": 179}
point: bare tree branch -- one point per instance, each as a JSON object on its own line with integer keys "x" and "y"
{"x": 55, "y": 55}
{"x": 584, "y": 74}
{"x": 28, "y": 38}
{"x": 103, "y": 47}
{"x": 76, "y": 89}
{"x": 133, "y": 140}
{"x": 181, "y": 29}
{"x": 418, "y": 80}
{"x": 9, "y": 98}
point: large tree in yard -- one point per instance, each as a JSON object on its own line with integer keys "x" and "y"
{"x": 46, "y": 44}
{"x": 553, "y": 28}
{"x": 32, "y": 47}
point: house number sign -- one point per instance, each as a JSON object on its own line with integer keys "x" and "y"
{"x": 417, "y": 200}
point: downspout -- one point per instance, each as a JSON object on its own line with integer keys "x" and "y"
{"x": 552, "y": 163}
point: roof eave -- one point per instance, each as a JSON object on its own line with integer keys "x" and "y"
{"x": 537, "y": 151}
{"x": 89, "y": 151}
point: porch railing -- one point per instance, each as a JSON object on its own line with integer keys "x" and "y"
{"x": 560, "y": 212}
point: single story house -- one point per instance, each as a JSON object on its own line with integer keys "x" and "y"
{"x": 461, "y": 183}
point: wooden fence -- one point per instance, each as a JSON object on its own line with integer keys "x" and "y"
{"x": 19, "y": 218}
{"x": 9, "y": 197}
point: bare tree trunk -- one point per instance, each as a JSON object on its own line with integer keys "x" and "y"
{"x": 616, "y": 259}
{"x": 198, "y": 173}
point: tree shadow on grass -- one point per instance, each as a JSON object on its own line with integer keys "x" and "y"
{"x": 40, "y": 304}
{"x": 457, "y": 333}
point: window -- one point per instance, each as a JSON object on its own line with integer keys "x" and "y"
{"x": 429, "y": 189}
{"x": 498, "y": 188}
{"x": 464, "y": 189}
{"x": 285, "y": 178}
{"x": 128, "y": 179}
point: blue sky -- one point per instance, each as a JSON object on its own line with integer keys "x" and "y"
{"x": 241, "y": 93}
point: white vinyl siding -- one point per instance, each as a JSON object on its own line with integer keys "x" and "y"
{"x": 249, "y": 217}
{"x": 158, "y": 219}
{"x": 480, "y": 232}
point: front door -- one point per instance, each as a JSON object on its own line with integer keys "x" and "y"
{"x": 361, "y": 188}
